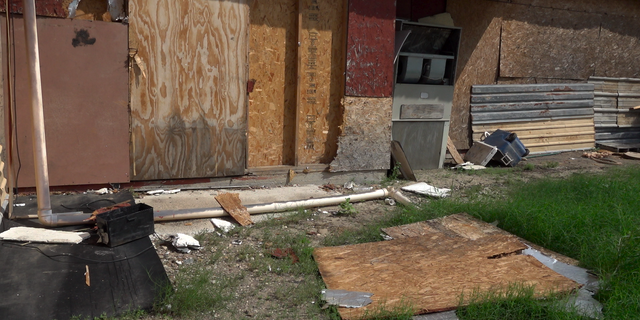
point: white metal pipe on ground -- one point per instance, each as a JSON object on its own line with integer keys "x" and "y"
{"x": 38, "y": 135}
{"x": 172, "y": 215}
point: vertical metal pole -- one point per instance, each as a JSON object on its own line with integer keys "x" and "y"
{"x": 37, "y": 113}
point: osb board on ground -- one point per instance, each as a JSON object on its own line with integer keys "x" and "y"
{"x": 365, "y": 142}
{"x": 549, "y": 43}
{"x": 231, "y": 203}
{"x": 188, "y": 113}
{"x": 431, "y": 273}
{"x": 272, "y": 68}
{"x": 321, "y": 85}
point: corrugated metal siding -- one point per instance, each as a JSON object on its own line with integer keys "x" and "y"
{"x": 546, "y": 117}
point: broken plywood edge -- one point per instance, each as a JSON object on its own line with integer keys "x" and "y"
{"x": 430, "y": 273}
{"x": 231, "y": 203}
{"x": 366, "y": 133}
{"x": 466, "y": 226}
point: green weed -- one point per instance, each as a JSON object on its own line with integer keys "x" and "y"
{"x": 347, "y": 208}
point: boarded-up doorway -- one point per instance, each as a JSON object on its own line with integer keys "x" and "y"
{"x": 188, "y": 88}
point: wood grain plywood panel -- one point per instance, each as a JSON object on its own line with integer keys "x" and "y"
{"x": 431, "y": 272}
{"x": 85, "y": 97}
{"x": 549, "y": 43}
{"x": 272, "y": 68}
{"x": 478, "y": 58}
{"x": 370, "y": 50}
{"x": 188, "y": 113}
{"x": 619, "y": 48}
{"x": 365, "y": 143}
{"x": 321, "y": 85}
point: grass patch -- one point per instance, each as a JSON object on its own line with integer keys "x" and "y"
{"x": 515, "y": 302}
{"x": 594, "y": 218}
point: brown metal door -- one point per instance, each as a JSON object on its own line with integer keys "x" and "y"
{"x": 189, "y": 69}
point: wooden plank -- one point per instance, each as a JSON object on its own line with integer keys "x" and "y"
{"x": 521, "y": 88}
{"x": 272, "y": 69}
{"x": 628, "y": 119}
{"x": 538, "y": 96}
{"x": 535, "y": 105}
{"x": 553, "y": 140}
{"x": 188, "y": 116}
{"x": 231, "y": 203}
{"x": 454, "y": 151}
{"x": 431, "y": 273}
{"x": 400, "y": 158}
{"x": 321, "y": 88}
{"x": 561, "y": 147}
{"x": 370, "y": 54}
{"x": 525, "y": 115}
{"x": 534, "y": 125}
{"x": 422, "y": 111}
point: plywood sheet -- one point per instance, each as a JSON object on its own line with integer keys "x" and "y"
{"x": 85, "y": 97}
{"x": 188, "y": 113}
{"x": 465, "y": 226}
{"x": 549, "y": 43}
{"x": 370, "y": 53}
{"x": 478, "y": 58}
{"x": 272, "y": 70}
{"x": 430, "y": 273}
{"x": 619, "y": 45}
{"x": 365, "y": 143}
{"x": 321, "y": 85}
{"x": 231, "y": 203}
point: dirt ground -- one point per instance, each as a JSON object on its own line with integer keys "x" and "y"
{"x": 261, "y": 293}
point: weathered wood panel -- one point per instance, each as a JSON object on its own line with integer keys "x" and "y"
{"x": 543, "y": 121}
{"x": 430, "y": 273}
{"x": 272, "y": 70}
{"x": 370, "y": 52}
{"x": 321, "y": 85}
{"x": 549, "y": 43}
{"x": 478, "y": 58}
{"x": 188, "y": 107}
{"x": 85, "y": 96}
{"x": 365, "y": 143}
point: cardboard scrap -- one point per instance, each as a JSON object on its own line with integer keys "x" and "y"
{"x": 231, "y": 203}
{"x": 43, "y": 235}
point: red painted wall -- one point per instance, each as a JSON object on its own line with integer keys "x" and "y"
{"x": 370, "y": 48}
{"x": 48, "y": 8}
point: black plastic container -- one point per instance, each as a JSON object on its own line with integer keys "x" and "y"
{"x": 126, "y": 224}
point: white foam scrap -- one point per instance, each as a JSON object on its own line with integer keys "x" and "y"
{"x": 184, "y": 242}
{"x": 427, "y": 190}
{"x": 223, "y": 225}
{"x": 43, "y": 235}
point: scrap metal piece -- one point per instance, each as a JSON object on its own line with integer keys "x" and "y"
{"x": 347, "y": 299}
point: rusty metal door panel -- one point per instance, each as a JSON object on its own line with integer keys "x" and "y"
{"x": 85, "y": 91}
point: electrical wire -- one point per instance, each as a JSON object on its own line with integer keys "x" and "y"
{"x": 52, "y": 257}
